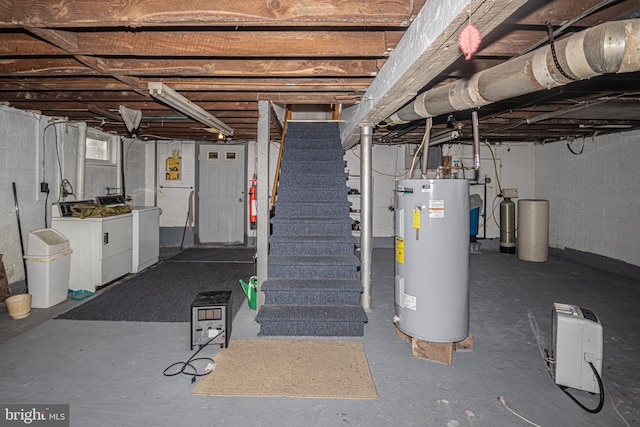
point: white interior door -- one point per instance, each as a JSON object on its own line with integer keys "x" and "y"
{"x": 222, "y": 201}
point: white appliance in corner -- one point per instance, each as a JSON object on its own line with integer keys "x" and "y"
{"x": 101, "y": 246}
{"x": 577, "y": 341}
{"x": 146, "y": 237}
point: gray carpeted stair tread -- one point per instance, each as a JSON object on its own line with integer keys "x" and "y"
{"x": 313, "y": 238}
{"x": 307, "y": 267}
{"x": 312, "y": 203}
{"x": 311, "y": 209}
{"x": 327, "y": 180}
{"x": 293, "y": 164}
{"x": 346, "y": 260}
{"x": 314, "y": 194}
{"x": 326, "y": 313}
{"x": 305, "y": 285}
{"x": 294, "y": 226}
{"x": 312, "y": 245}
{"x": 312, "y": 186}
{"x": 292, "y": 320}
{"x": 295, "y": 153}
{"x": 316, "y": 292}
{"x": 309, "y": 221}
{"x": 313, "y": 286}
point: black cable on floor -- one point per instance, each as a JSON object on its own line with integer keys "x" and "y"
{"x": 599, "y": 407}
{"x": 188, "y": 368}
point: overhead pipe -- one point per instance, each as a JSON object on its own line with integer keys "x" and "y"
{"x": 611, "y": 47}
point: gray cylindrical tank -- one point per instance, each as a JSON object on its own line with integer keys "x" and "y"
{"x": 533, "y": 230}
{"x": 432, "y": 259}
{"x": 507, "y": 226}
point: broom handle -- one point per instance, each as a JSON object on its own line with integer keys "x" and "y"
{"x": 24, "y": 263}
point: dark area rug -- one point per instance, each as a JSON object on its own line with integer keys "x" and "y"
{"x": 164, "y": 293}
{"x": 229, "y": 254}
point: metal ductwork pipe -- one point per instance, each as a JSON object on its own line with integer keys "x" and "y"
{"x": 476, "y": 140}
{"x": 612, "y": 47}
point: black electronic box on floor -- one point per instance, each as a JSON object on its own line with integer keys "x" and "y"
{"x": 211, "y": 318}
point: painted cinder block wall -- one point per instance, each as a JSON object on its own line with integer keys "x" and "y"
{"x": 35, "y": 149}
{"x": 594, "y": 202}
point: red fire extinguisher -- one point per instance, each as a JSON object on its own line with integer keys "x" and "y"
{"x": 253, "y": 208}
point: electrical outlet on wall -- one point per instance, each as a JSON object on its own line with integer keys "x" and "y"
{"x": 510, "y": 193}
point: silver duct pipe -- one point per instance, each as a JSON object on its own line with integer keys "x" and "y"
{"x": 612, "y": 47}
{"x": 476, "y": 141}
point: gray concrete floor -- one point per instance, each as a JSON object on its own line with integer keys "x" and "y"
{"x": 111, "y": 372}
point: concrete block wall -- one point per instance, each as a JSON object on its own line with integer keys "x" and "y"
{"x": 593, "y": 196}
{"x": 20, "y": 160}
{"x": 136, "y": 185}
{"x": 505, "y": 166}
{"x": 101, "y": 180}
{"x": 514, "y": 167}
{"x": 388, "y": 166}
{"x": 174, "y": 196}
{"x": 33, "y": 149}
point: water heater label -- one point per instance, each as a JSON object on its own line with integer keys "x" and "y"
{"x": 409, "y": 302}
{"x": 436, "y": 208}
{"x": 400, "y": 250}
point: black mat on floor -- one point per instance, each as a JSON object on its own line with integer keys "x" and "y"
{"x": 164, "y": 293}
{"x": 230, "y": 254}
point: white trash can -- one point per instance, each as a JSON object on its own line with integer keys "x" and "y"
{"x": 48, "y": 262}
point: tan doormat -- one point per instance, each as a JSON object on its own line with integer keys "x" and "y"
{"x": 324, "y": 369}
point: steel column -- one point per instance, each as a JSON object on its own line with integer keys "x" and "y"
{"x": 262, "y": 238}
{"x": 366, "y": 212}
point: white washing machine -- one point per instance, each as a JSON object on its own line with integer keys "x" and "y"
{"x": 102, "y": 247}
{"x": 146, "y": 237}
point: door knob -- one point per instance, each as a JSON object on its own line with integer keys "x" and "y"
{"x": 240, "y": 200}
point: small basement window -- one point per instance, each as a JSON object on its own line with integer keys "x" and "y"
{"x": 100, "y": 147}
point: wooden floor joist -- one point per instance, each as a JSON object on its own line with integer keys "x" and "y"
{"x": 438, "y": 351}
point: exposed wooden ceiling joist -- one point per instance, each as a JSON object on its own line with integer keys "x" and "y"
{"x": 141, "y": 13}
{"x": 197, "y": 43}
{"x": 428, "y": 47}
{"x": 65, "y": 58}
{"x": 68, "y": 66}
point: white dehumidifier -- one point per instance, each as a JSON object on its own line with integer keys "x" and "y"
{"x": 577, "y": 346}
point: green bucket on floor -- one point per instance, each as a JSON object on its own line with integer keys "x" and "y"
{"x": 251, "y": 289}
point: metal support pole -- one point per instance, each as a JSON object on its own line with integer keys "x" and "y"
{"x": 81, "y": 151}
{"x": 366, "y": 212}
{"x": 262, "y": 237}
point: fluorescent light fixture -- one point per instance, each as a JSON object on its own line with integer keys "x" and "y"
{"x": 179, "y": 103}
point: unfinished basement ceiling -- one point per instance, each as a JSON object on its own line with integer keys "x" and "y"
{"x": 82, "y": 59}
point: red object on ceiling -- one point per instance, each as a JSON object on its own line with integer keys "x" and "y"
{"x": 469, "y": 40}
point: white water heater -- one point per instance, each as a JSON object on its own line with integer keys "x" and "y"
{"x": 432, "y": 259}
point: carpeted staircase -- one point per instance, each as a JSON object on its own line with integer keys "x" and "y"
{"x": 313, "y": 287}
